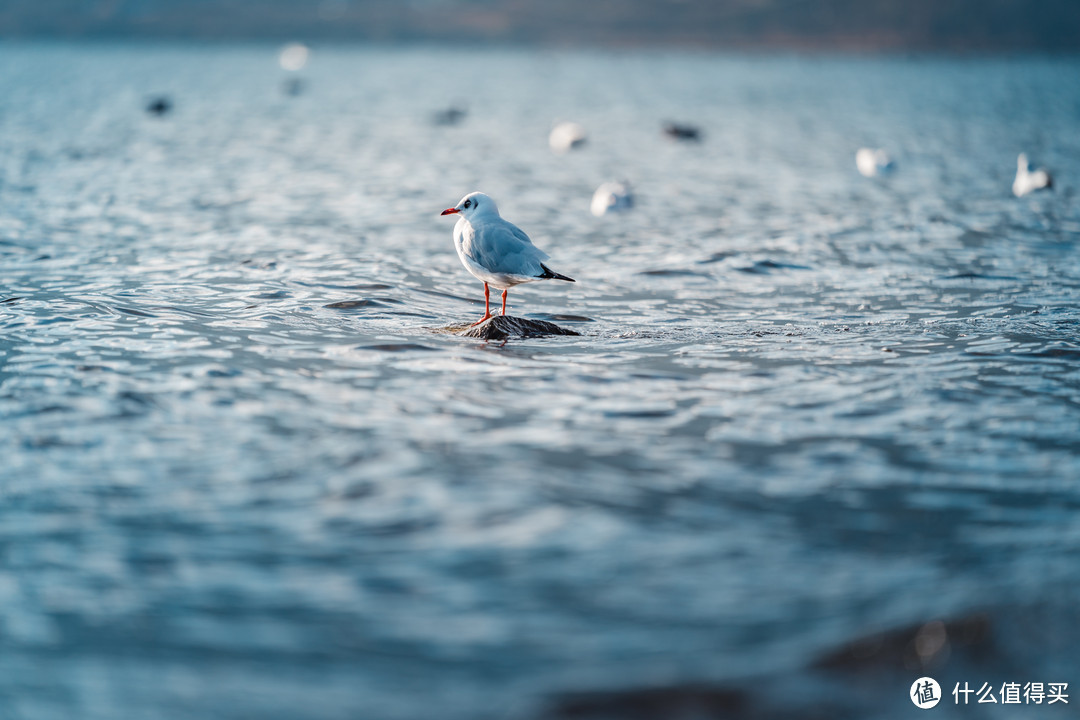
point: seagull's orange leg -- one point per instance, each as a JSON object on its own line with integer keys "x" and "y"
{"x": 487, "y": 305}
{"x": 504, "y": 301}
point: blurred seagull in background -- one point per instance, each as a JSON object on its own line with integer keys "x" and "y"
{"x": 159, "y": 106}
{"x": 452, "y": 115}
{"x": 293, "y": 57}
{"x": 1028, "y": 179}
{"x": 495, "y": 251}
{"x": 612, "y": 197}
{"x": 872, "y": 162}
{"x": 566, "y": 136}
{"x": 679, "y": 131}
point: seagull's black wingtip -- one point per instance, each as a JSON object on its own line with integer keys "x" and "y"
{"x": 550, "y": 274}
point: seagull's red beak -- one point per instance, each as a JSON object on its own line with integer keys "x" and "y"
{"x": 449, "y": 211}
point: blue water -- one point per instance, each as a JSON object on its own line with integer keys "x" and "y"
{"x": 806, "y": 407}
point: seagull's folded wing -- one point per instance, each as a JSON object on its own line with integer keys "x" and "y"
{"x": 505, "y": 248}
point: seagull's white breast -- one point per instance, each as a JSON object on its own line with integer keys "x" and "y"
{"x": 494, "y": 252}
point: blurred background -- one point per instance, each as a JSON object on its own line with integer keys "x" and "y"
{"x": 816, "y": 437}
{"x": 869, "y": 25}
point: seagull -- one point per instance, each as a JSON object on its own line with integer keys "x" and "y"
{"x": 612, "y": 197}
{"x": 566, "y": 136}
{"x": 159, "y": 106}
{"x": 1028, "y": 179}
{"x": 872, "y": 162}
{"x": 452, "y": 115}
{"x": 495, "y": 251}
{"x": 679, "y": 131}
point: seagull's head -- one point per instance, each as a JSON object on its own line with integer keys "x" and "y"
{"x": 1022, "y": 162}
{"x": 473, "y": 205}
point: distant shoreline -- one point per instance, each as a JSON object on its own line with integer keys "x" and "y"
{"x": 734, "y": 50}
{"x": 745, "y": 26}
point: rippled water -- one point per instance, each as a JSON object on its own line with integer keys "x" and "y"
{"x": 805, "y": 407}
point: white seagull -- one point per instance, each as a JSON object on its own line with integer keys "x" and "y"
{"x": 567, "y": 136}
{"x": 873, "y": 162}
{"x": 495, "y": 251}
{"x": 1029, "y": 179}
{"x": 611, "y": 197}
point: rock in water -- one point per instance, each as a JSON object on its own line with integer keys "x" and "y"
{"x": 505, "y": 327}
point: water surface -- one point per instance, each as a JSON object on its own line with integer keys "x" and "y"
{"x": 805, "y": 406}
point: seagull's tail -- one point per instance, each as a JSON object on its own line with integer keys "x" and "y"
{"x": 550, "y": 274}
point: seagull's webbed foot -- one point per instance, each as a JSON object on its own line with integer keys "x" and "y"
{"x": 482, "y": 320}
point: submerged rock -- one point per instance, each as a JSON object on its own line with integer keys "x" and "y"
{"x": 680, "y": 702}
{"x": 505, "y": 327}
{"x": 864, "y": 670}
{"x": 354, "y": 304}
{"x": 914, "y": 649}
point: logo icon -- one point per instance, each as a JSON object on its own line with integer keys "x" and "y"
{"x": 925, "y": 693}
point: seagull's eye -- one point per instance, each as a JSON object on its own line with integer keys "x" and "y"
{"x": 468, "y": 204}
